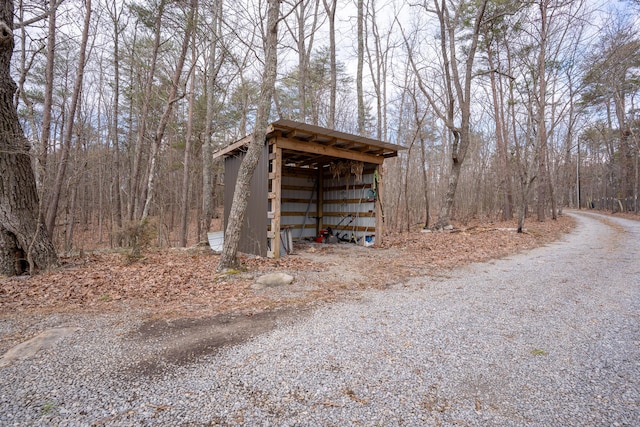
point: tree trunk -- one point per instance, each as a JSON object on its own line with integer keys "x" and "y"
{"x": 164, "y": 120}
{"x": 75, "y": 99}
{"x": 425, "y": 181}
{"x": 504, "y": 173}
{"x": 207, "y": 146}
{"x": 241, "y": 193}
{"x": 359, "y": 74}
{"x": 330, "y": 8}
{"x": 117, "y": 208}
{"x": 541, "y": 132}
{"x": 43, "y": 149}
{"x": 186, "y": 168}
{"x": 134, "y": 182}
{"x": 22, "y": 235}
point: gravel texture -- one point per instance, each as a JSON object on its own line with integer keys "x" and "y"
{"x": 546, "y": 338}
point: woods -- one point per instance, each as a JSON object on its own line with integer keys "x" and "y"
{"x": 508, "y": 109}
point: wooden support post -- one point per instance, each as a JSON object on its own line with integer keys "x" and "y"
{"x": 320, "y": 200}
{"x": 379, "y": 208}
{"x": 275, "y": 195}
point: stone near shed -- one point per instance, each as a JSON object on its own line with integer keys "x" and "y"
{"x": 273, "y": 280}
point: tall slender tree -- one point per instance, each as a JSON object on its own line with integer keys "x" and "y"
{"x": 453, "y": 107}
{"x": 52, "y": 210}
{"x": 252, "y": 157}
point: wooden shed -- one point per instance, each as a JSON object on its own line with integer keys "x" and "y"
{"x": 309, "y": 180}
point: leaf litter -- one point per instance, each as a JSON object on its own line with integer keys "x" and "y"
{"x": 175, "y": 283}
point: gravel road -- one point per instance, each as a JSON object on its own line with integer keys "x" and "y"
{"x": 546, "y": 338}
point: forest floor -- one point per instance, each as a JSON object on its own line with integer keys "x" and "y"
{"x": 176, "y": 296}
{"x": 182, "y": 283}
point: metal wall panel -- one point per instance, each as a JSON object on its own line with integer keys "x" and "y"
{"x": 350, "y": 209}
{"x": 253, "y": 238}
{"x": 293, "y": 213}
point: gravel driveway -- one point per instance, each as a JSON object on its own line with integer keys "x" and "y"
{"x": 546, "y": 338}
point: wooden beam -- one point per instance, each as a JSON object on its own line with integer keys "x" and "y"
{"x": 297, "y": 187}
{"x": 229, "y": 148}
{"x": 342, "y": 214}
{"x": 294, "y": 200}
{"x": 343, "y": 201}
{"x": 310, "y": 214}
{"x": 310, "y": 147}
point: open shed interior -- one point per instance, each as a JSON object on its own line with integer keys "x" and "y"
{"x": 338, "y": 197}
{"x": 312, "y": 183}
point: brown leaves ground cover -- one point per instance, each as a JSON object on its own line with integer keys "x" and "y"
{"x": 183, "y": 283}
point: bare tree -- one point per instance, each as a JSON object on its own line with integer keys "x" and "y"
{"x": 215, "y": 60}
{"x": 453, "y": 106}
{"x": 304, "y": 38}
{"x": 360, "y": 67}
{"x": 52, "y": 210}
{"x": 186, "y": 168}
{"x": 330, "y": 9}
{"x": 168, "y": 108}
{"x": 23, "y": 237}
{"x": 116, "y": 15}
{"x": 252, "y": 157}
{"x": 136, "y": 172}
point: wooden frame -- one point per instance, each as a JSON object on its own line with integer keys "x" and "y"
{"x": 299, "y": 153}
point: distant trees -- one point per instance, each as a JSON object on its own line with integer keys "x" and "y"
{"x": 504, "y": 115}
{"x": 612, "y": 82}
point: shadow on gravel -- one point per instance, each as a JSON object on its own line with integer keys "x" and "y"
{"x": 170, "y": 343}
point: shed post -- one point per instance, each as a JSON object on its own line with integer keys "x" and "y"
{"x": 275, "y": 195}
{"x": 320, "y": 200}
{"x": 379, "y": 209}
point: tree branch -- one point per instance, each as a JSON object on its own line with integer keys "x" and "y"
{"x": 38, "y": 18}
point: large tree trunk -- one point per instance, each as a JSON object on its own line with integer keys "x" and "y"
{"x": 251, "y": 159}
{"x": 22, "y": 235}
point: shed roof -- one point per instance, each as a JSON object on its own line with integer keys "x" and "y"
{"x": 311, "y": 145}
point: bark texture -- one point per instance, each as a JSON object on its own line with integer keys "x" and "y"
{"x": 23, "y": 238}
{"x": 241, "y": 193}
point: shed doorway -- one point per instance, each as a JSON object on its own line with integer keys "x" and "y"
{"x": 311, "y": 182}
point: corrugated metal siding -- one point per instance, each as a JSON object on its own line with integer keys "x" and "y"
{"x": 299, "y": 205}
{"x": 253, "y": 238}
